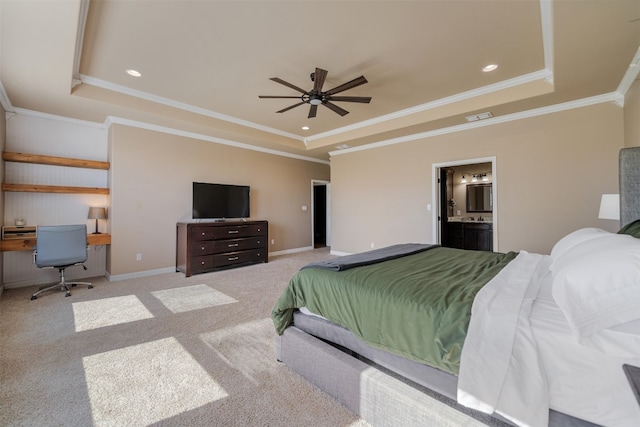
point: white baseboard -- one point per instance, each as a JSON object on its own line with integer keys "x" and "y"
{"x": 340, "y": 253}
{"x": 118, "y": 277}
{"x": 291, "y": 251}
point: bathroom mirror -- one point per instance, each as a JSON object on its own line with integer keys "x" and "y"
{"x": 479, "y": 198}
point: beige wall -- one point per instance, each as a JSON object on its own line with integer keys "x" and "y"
{"x": 632, "y": 116}
{"x": 150, "y": 178}
{"x": 550, "y": 173}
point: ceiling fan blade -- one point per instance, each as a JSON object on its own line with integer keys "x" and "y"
{"x": 282, "y": 82}
{"x": 275, "y": 96}
{"x": 335, "y": 108}
{"x": 318, "y": 79}
{"x": 348, "y": 85}
{"x": 289, "y": 108}
{"x": 363, "y": 99}
{"x": 312, "y": 111}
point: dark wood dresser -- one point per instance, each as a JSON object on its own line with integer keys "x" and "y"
{"x": 210, "y": 246}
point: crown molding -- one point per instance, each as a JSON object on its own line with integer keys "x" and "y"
{"x": 485, "y": 90}
{"x": 5, "y": 101}
{"x": 77, "y": 57}
{"x": 630, "y": 75}
{"x": 183, "y": 106}
{"x": 613, "y": 97}
{"x": 111, "y": 120}
{"x": 47, "y": 116}
{"x": 546, "y": 19}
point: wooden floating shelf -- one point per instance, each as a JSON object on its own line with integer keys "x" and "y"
{"x": 34, "y": 188}
{"x": 29, "y": 244}
{"x": 54, "y": 161}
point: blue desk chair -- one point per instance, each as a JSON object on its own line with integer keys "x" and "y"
{"x": 61, "y": 246}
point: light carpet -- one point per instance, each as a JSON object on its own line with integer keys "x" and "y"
{"x": 159, "y": 350}
{"x": 163, "y": 350}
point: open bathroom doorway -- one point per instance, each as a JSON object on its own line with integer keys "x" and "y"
{"x": 465, "y": 200}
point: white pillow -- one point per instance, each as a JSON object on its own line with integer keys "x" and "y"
{"x": 575, "y": 238}
{"x": 596, "y": 283}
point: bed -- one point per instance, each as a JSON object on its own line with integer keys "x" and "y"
{"x": 545, "y": 336}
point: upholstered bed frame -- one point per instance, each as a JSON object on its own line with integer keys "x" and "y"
{"x": 371, "y": 384}
{"x": 629, "y": 185}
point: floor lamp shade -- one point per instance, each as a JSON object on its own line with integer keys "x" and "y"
{"x": 97, "y": 213}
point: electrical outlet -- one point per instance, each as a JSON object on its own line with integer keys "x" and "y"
{"x": 273, "y": 241}
{"x": 373, "y": 245}
{"x": 138, "y": 257}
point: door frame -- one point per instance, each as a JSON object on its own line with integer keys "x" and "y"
{"x": 435, "y": 194}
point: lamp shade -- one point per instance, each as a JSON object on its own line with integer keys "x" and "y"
{"x": 97, "y": 213}
{"x": 610, "y": 207}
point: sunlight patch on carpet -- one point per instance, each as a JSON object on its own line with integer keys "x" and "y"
{"x": 108, "y": 312}
{"x": 146, "y": 383}
{"x": 243, "y": 347}
{"x": 188, "y": 298}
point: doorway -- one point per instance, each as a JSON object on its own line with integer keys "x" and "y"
{"x": 450, "y": 183}
{"x": 320, "y": 214}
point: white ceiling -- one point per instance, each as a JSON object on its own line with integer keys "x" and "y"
{"x": 204, "y": 62}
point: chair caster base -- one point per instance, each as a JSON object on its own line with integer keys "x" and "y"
{"x": 33, "y": 297}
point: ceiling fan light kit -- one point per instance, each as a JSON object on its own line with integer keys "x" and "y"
{"x": 316, "y": 96}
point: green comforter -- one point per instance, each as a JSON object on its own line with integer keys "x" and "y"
{"x": 417, "y": 306}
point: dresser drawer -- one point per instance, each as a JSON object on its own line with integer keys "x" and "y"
{"x": 203, "y": 233}
{"x": 203, "y": 247}
{"x": 232, "y": 231}
{"x": 231, "y": 258}
{"x": 202, "y": 263}
{"x": 238, "y": 244}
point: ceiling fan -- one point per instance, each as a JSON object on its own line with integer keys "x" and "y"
{"x": 316, "y": 96}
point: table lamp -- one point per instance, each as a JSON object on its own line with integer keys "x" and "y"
{"x": 609, "y": 207}
{"x": 97, "y": 213}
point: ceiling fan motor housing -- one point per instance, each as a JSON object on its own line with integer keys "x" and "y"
{"x": 315, "y": 99}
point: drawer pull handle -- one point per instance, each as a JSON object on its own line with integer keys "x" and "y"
{"x": 202, "y": 263}
{"x": 233, "y": 258}
{"x": 233, "y": 245}
{"x": 203, "y": 248}
{"x": 233, "y": 231}
{"x": 203, "y": 233}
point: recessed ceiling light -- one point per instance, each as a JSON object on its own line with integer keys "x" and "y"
{"x": 342, "y": 146}
{"x": 134, "y": 73}
{"x": 305, "y": 127}
{"x": 490, "y": 67}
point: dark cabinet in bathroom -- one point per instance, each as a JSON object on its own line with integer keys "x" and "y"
{"x": 470, "y": 235}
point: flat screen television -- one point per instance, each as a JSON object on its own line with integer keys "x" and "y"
{"x": 220, "y": 201}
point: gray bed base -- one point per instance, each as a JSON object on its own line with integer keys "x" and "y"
{"x": 382, "y": 388}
